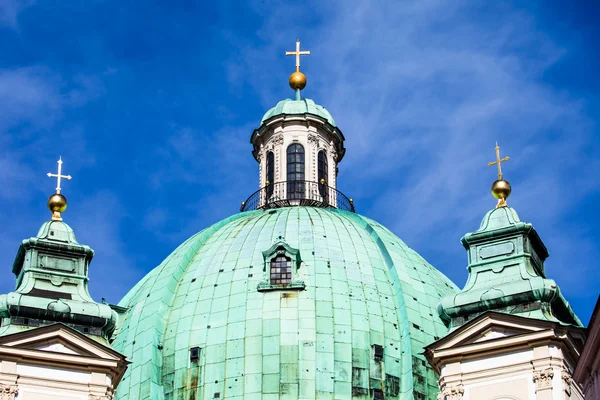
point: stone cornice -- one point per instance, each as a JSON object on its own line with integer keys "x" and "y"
{"x": 539, "y": 333}
{"x": 307, "y": 120}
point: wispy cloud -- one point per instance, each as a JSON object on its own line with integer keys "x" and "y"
{"x": 33, "y": 102}
{"x": 156, "y": 120}
{"x": 10, "y": 10}
{"x": 423, "y": 90}
{"x": 97, "y": 221}
{"x": 211, "y": 161}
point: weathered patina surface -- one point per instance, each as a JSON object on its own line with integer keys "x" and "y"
{"x": 360, "y": 324}
{"x": 506, "y": 274}
{"x": 51, "y": 270}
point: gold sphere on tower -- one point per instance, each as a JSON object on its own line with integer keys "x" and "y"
{"x": 501, "y": 190}
{"x": 57, "y": 203}
{"x": 297, "y": 80}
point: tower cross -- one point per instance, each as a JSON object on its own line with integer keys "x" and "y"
{"x": 297, "y": 53}
{"x": 59, "y": 175}
{"x": 498, "y": 161}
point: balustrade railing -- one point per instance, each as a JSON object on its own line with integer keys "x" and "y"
{"x": 297, "y": 193}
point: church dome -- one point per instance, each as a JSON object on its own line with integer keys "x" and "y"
{"x": 206, "y": 323}
{"x": 300, "y": 105}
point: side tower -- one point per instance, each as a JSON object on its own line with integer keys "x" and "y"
{"x": 512, "y": 333}
{"x": 298, "y": 148}
{"x": 54, "y": 338}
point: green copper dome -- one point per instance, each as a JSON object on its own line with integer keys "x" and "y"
{"x": 300, "y": 105}
{"x": 362, "y": 307}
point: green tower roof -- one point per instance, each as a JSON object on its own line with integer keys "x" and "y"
{"x": 356, "y": 287}
{"x": 299, "y": 105}
{"x": 506, "y": 274}
{"x": 51, "y": 272}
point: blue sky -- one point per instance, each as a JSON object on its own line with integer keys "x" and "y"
{"x": 152, "y": 104}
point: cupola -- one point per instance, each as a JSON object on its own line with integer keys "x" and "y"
{"x": 298, "y": 148}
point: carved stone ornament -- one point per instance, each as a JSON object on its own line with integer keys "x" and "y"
{"x": 8, "y": 392}
{"x": 107, "y": 396}
{"x": 543, "y": 378}
{"x": 567, "y": 380}
{"x": 313, "y": 139}
{"x": 277, "y": 139}
{"x": 333, "y": 151}
{"x": 455, "y": 392}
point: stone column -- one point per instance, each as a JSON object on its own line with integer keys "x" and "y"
{"x": 280, "y": 155}
{"x": 312, "y": 158}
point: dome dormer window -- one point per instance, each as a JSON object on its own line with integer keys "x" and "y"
{"x": 280, "y": 268}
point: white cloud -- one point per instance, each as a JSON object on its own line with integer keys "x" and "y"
{"x": 10, "y": 10}
{"x": 422, "y": 91}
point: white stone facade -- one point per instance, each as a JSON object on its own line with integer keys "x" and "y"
{"x": 502, "y": 357}
{"x": 587, "y": 373}
{"x": 57, "y": 363}
{"x": 277, "y": 134}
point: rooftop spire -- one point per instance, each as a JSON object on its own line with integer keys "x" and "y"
{"x": 57, "y": 203}
{"x": 297, "y": 79}
{"x": 500, "y": 188}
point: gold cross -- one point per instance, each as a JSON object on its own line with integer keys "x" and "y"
{"x": 297, "y": 53}
{"x": 498, "y": 161}
{"x": 59, "y": 175}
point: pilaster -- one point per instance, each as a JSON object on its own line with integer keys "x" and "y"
{"x": 543, "y": 383}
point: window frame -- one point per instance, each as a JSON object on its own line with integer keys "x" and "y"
{"x": 283, "y": 270}
{"x": 323, "y": 175}
{"x": 296, "y": 171}
{"x": 270, "y": 172}
{"x": 281, "y": 250}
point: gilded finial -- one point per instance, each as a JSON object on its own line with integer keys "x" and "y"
{"x": 500, "y": 188}
{"x": 57, "y": 203}
{"x": 297, "y": 79}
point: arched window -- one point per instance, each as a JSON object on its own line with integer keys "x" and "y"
{"x": 270, "y": 173}
{"x": 295, "y": 171}
{"x": 323, "y": 172}
{"x": 281, "y": 270}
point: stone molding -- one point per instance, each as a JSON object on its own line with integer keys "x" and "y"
{"x": 543, "y": 378}
{"x": 454, "y": 392}
{"x": 8, "y": 392}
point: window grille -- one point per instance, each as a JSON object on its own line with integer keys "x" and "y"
{"x": 281, "y": 270}
{"x": 270, "y": 173}
{"x": 295, "y": 171}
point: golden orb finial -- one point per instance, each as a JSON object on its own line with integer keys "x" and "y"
{"x": 297, "y": 79}
{"x": 500, "y": 188}
{"x": 57, "y": 203}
